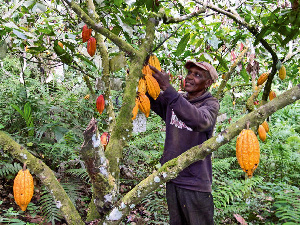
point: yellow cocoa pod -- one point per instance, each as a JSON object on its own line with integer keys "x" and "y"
{"x": 266, "y": 126}
{"x": 142, "y": 86}
{"x": 247, "y": 151}
{"x": 282, "y": 73}
{"x": 153, "y": 61}
{"x": 272, "y": 95}
{"x": 152, "y": 86}
{"x": 262, "y": 78}
{"x": 23, "y": 188}
{"x": 262, "y": 133}
{"x": 144, "y": 104}
{"x": 146, "y": 70}
{"x": 135, "y": 109}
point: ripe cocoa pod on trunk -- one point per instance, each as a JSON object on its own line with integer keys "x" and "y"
{"x": 91, "y": 46}
{"x": 86, "y": 33}
{"x": 100, "y": 104}
{"x": 152, "y": 86}
{"x": 144, "y": 104}
{"x": 153, "y": 61}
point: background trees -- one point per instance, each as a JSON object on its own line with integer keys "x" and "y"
{"x": 242, "y": 39}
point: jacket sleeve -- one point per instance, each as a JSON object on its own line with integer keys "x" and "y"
{"x": 159, "y": 105}
{"x": 198, "y": 118}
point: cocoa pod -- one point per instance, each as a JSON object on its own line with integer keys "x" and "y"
{"x": 153, "y": 61}
{"x": 100, "y": 104}
{"x": 282, "y": 73}
{"x": 91, "y": 46}
{"x": 266, "y": 126}
{"x": 272, "y": 95}
{"x": 144, "y": 104}
{"x": 152, "y": 86}
{"x": 23, "y": 188}
{"x": 262, "y": 78}
{"x": 135, "y": 109}
{"x": 247, "y": 151}
{"x": 86, "y": 33}
{"x": 142, "y": 87}
{"x": 262, "y": 133}
{"x": 146, "y": 70}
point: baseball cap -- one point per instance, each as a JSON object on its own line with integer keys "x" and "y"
{"x": 203, "y": 65}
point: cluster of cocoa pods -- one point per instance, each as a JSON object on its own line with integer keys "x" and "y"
{"x": 91, "y": 41}
{"x": 147, "y": 84}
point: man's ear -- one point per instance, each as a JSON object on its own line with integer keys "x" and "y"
{"x": 209, "y": 82}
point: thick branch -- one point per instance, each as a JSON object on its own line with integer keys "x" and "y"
{"x": 123, "y": 127}
{"x": 97, "y": 166}
{"x": 123, "y": 45}
{"x": 46, "y": 176}
{"x": 171, "y": 169}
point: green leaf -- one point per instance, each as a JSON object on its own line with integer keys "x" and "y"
{"x": 118, "y": 2}
{"x": 182, "y": 44}
{"x": 18, "y": 109}
{"x": 222, "y": 62}
{"x": 244, "y": 75}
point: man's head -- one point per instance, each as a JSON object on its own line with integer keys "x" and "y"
{"x": 205, "y": 66}
{"x": 200, "y": 77}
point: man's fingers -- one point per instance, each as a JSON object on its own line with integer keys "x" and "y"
{"x": 154, "y": 69}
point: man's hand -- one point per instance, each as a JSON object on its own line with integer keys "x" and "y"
{"x": 161, "y": 77}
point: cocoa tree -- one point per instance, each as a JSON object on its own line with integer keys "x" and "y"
{"x": 138, "y": 29}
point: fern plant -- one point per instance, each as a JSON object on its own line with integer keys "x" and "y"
{"x": 7, "y": 169}
{"x": 49, "y": 207}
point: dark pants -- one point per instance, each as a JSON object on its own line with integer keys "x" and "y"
{"x": 187, "y": 207}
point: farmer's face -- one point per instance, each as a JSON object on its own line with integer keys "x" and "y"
{"x": 197, "y": 81}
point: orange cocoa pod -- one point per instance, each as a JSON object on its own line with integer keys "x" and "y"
{"x": 152, "y": 86}
{"x": 142, "y": 87}
{"x": 23, "y": 188}
{"x": 153, "y": 61}
{"x": 146, "y": 70}
{"x": 144, "y": 104}
{"x": 86, "y": 33}
{"x": 91, "y": 46}
{"x": 266, "y": 126}
{"x": 262, "y": 133}
{"x": 272, "y": 95}
{"x": 100, "y": 104}
{"x": 135, "y": 109}
{"x": 247, "y": 151}
{"x": 262, "y": 78}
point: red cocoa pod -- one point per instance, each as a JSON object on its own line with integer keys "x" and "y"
{"x": 91, "y": 46}
{"x": 100, "y": 104}
{"x": 86, "y": 33}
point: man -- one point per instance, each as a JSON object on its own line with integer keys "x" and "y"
{"x": 190, "y": 119}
